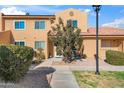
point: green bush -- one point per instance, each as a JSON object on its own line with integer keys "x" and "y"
{"x": 115, "y": 57}
{"x": 14, "y": 61}
{"x": 39, "y": 55}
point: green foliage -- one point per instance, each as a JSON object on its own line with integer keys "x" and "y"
{"x": 115, "y": 57}
{"x": 65, "y": 38}
{"x": 39, "y": 55}
{"x": 14, "y": 62}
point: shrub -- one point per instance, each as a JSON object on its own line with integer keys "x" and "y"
{"x": 39, "y": 55}
{"x": 115, "y": 57}
{"x": 14, "y": 61}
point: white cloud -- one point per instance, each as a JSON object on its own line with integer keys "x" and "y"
{"x": 87, "y": 10}
{"x": 117, "y": 23}
{"x": 12, "y": 11}
{"x": 93, "y": 14}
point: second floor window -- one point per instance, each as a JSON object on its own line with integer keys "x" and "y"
{"x": 39, "y": 24}
{"x": 73, "y": 23}
{"x": 19, "y": 25}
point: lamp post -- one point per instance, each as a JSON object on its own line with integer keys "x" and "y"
{"x": 97, "y": 9}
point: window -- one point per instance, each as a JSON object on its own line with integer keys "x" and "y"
{"x": 39, "y": 24}
{"x": 19, "y": 24}
{"x": 20, "y": 43}
{"x": 109, "y": 43}
{"x": 39, "y": 44}
{"x": 105, "y": 43}
{"x": 75, "y": 23}
{"x": 72, "y": 23}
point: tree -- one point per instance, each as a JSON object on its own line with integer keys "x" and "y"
{"x": 66, "y": 38}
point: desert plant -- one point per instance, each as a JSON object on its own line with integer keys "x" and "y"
{"x": 65, "y": 38}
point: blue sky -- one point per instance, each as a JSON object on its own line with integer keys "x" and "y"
{"x": 112, "y": 16}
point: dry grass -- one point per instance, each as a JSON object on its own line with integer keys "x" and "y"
{"x": 106, "y": 79}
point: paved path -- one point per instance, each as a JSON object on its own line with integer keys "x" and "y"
{"x": 90, "y": 64}
{"x": 63, "y": 78}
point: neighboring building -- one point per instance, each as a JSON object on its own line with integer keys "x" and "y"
{"x": 31, "y": 30}
{"x": 28, "y": 30}
{"x": 109, "y": 39}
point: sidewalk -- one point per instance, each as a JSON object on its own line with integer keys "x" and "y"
{"x": 63, "y": 78}
{"x": 90, "y": 65}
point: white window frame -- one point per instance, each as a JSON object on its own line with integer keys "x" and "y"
{"x": 40, "y": 41}
{"x": 40, "y": 29}
{"x": 21, "y": 41}
{"x": 19, "y": 29}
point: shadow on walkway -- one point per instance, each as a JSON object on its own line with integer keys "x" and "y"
{"x": 38, "y": 78}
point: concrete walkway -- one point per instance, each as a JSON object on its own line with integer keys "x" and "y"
{"x": 63, "y": 78}
{"x": 90, "y": 65}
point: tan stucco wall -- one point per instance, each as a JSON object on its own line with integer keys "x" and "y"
{"x": 80, "y": 16}
{"x": 90, "y": 47}
{"x": 29, "y": 34}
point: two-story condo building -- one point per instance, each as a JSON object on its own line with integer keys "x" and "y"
{"x": 32, "y": 30}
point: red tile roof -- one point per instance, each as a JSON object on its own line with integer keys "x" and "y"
{"x": 104, "y": 31}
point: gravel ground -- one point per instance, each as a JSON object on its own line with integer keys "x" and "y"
{"x": 38, "y": 78}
